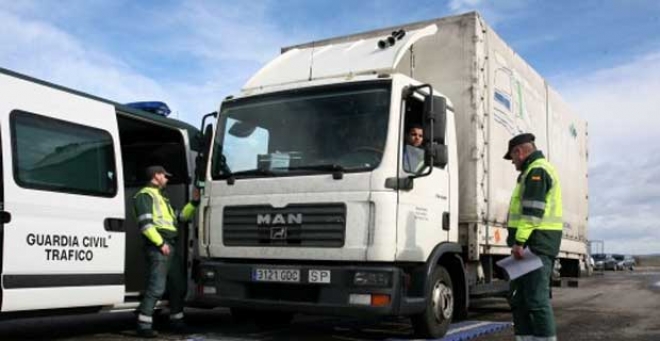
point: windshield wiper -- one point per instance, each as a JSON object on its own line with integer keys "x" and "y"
{"x": 337, "y": 170}
{"x": 231, "y": 177}
{"x": 257, "y": 171}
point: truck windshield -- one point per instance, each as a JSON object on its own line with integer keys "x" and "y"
{"x": 319, "y": 130}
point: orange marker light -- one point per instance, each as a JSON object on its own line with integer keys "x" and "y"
{"x": 379, "y": 300}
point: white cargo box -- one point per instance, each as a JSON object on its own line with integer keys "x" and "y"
{"x": 496, "y": 95}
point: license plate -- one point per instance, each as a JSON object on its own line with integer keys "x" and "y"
{"x": 276, "y": 275}
{"x": 319, "y": 276}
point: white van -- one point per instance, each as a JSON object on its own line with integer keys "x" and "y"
{"x": 70, "y": 164}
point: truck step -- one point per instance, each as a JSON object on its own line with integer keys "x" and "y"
{"x": 489, "y": 289}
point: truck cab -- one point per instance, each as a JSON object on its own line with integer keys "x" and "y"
{"x": 311, "y": 204}
{"x": 308, "y": 206}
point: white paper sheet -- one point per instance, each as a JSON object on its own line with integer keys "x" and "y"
{"x": 518, "y": 267}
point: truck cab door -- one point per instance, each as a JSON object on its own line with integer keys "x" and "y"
{"x": 62, "y": 188}
{"x": 423, "y": 209}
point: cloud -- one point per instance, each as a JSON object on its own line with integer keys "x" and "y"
{"x": 188, "y": 54}
{"x": 225, "y": 45}
{"x": 620, "y": 104}
{"x": 42, "y": 50}
{"x": 462, "y": 5}
{"x": 494, "y": 12}
{"x": 218, "y": 32}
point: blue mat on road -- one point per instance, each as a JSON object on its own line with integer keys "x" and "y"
{"x": 468, "y": 330}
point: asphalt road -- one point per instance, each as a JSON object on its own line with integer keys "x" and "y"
{"x": 612, "y": 306}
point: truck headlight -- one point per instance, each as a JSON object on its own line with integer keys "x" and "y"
{"x": 372, "y": 278}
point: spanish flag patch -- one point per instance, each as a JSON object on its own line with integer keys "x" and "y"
{"x": 536, "y": 178}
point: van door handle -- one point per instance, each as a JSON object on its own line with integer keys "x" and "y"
{"x": 5, "y": 217}
{"x": 114, "y": 225}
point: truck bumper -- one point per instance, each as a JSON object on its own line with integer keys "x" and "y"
{"x": 233, "y": 284}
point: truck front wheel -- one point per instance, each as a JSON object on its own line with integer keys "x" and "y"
{"x": 435, "y": 319}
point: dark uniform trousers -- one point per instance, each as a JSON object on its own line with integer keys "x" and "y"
{"x": 529, "y": 296}
{"x": 164, "y": 272}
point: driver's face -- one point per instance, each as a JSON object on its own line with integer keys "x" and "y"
{"x": 415, "y": 137}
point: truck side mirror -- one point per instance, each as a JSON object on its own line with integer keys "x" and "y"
{"x": 440, "y": 123}
{"x": 436, "y": 155}
{"x": 203, "y": 143}
{"x": 440, "y": 155}
{"x": 203, "y": 156}
{"x": 206, "y": 137}
{"x": 435, "y": 109}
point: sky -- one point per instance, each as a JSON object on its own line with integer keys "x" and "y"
{"x": 603, "y": 56}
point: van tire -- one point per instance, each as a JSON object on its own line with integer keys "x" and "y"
{"x": 435, "y": 320}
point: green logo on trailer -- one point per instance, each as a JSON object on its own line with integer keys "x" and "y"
{"x": 573, "y": 131}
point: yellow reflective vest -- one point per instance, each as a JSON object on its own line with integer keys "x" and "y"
{"x": 541, "y": 234}
{"x": 162, "y": 219}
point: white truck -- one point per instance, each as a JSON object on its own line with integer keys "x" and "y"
{"x": 307, "y": 207}
{"x": 70, "y": 165}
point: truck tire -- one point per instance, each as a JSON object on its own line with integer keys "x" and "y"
{"x": 435, "y": 320}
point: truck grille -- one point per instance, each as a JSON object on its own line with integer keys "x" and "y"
{"x": 317, "y": 225}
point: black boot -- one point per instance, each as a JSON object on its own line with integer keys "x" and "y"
{"x": 146, "y": 331}
{"x": 180, "y": 327}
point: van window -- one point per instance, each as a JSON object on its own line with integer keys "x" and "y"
{"x": 55, "y": 155}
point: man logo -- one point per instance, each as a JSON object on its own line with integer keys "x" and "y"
{"x": 279, "y": 219}
{"x": 278, "y": 233}
{"x": 279, "y": 223}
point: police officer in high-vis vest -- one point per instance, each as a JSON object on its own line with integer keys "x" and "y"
{"x": 535, "y": 222}
{"x": 158, "y": 222}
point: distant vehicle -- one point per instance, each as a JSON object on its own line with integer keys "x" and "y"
{"x": 626, "y": 262}
{"x": 604, "y": 262}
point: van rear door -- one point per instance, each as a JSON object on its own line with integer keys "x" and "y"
{"x": 61, "y": 241}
